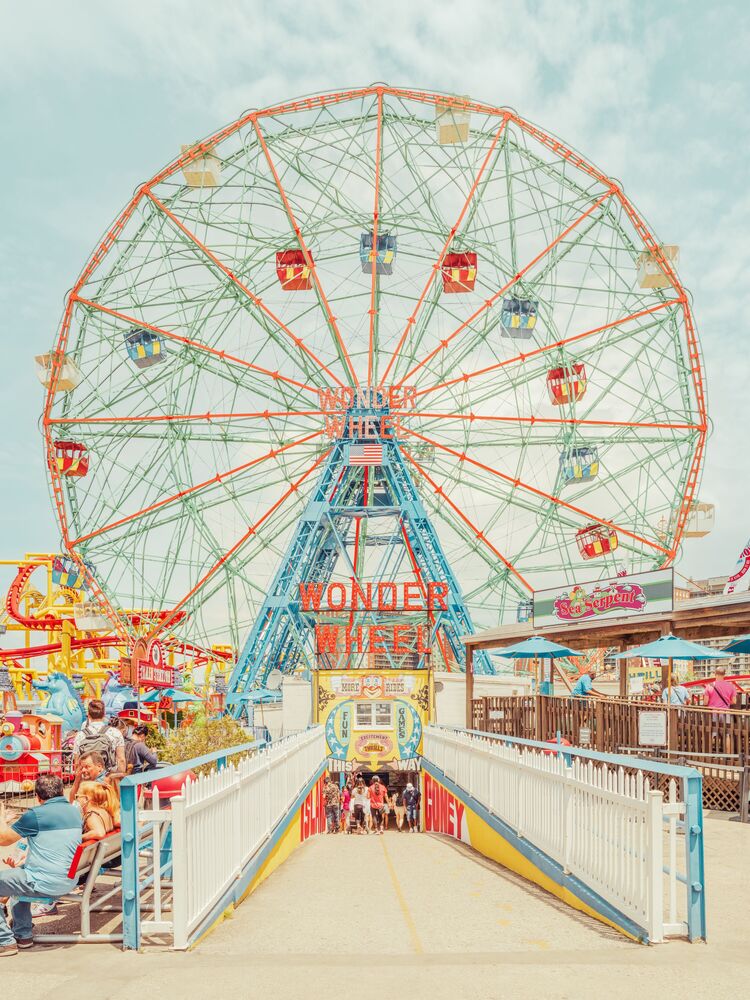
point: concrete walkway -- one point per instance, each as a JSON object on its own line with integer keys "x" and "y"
{"x": 414, "y": 915}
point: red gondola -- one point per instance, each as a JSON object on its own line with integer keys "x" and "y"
{"x": 293, "y": 271}
{"x": 71, "y": 458}
{"x": 566, "y": 384}
{"x": 459, "y": 271}
{"x": 596, "y": 540}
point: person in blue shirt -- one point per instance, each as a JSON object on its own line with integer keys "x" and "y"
{"x": 53, "y": 831}
{"x": 676, "y": 694}
{"x": 584, "y": 686}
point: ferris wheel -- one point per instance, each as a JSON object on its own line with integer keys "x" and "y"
{"x": 495, "y": 298}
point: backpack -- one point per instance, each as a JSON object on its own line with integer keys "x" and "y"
{"x": 131, "y": 755}
{"x": 98, "y": 742}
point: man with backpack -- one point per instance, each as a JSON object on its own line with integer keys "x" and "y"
{"x": 411, "y": 799}
{"x": 97, "y": 737}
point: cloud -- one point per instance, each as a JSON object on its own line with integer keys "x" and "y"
{"x": 97, "y": 97}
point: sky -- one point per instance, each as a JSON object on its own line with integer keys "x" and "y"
{"x": 94, "y": 98}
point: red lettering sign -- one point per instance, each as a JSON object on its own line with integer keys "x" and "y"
{"x": 337, "y": 596}
{"x": 152, "y": 669}
{"x": 312, "y": 818}
{"x": 443, "y": 812}
{"x": 336, "y": 405}
{"x": 579, "y": 604}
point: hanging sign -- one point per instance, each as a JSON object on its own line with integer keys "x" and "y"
{"x": 336, "y": 643}
{"x": 616, "y": 597}
{"x": 149, "y": 665}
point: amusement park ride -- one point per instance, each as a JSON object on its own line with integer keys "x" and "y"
{"x": 44, "y": 685}
{"x": 375, "y": 338}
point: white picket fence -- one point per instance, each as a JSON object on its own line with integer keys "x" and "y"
{"x": 219, "y": 823}
{"x": 606, "y": 827}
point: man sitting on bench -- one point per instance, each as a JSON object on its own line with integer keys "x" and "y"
{"x": 53, "y": 832}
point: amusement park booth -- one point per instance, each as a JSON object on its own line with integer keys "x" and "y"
{"x": 373, "y": 719}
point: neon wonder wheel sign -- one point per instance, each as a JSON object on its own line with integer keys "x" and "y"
{"x": 468, "y": 270}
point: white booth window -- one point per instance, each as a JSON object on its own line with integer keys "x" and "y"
{"x": 373, "y": 715}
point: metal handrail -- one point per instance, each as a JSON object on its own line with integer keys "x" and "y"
{"x": 619, "y": 760}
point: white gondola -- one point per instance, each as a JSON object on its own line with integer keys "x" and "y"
{"x": 650, "y": 271}
{"x": 68, "y": 375}
{"x": 700, "y": 520}
{"x": 452, "y": 124}
{"x": 203, "y": 171}
{"x": 89, "y": 618}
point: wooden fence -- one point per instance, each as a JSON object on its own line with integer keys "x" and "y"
{"x": 718, "y": 744}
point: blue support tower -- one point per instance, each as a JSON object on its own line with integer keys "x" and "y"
{"x": 283, "y": 634}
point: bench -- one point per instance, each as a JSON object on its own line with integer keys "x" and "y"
{"x": 88, "y": 861}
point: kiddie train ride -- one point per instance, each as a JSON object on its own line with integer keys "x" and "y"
{"x": 30, "y": 745}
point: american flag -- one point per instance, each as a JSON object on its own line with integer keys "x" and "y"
{"x": 365, "y": 454}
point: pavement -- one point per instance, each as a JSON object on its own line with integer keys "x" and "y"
{"x": 416, "y": 915}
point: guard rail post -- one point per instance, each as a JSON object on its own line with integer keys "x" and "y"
{"x": 131, "y": 897}
{"x": 568, "y": 819}
{"x": 655, "y": 904}
{"x": 696, "y": 915}
{"x": 179, "y": 875}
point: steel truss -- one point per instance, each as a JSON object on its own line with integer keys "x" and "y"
{"x": 283, "y": 634}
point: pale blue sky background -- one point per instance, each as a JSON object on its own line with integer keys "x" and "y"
{"x": 95, "y": 97}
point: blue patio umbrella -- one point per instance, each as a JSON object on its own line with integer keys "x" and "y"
{"x": 177, "y": 696}
{"x": 259, "y": 696}
{"x": 672, "y": 647}
{"x": 739, "y": 645}
{"x": 537, "y": 648}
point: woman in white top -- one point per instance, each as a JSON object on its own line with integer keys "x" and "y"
{"x": 360, "y": 807}
{"x": 368, "y": 814}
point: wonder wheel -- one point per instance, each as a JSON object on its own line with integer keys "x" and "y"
{"x": 498, "y": 297}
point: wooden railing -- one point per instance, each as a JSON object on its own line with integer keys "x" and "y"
{"x": 611, "y": 724}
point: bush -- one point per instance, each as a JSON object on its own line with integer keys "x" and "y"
{"x": 155, "y": 740}
{"x": 217, "y": 734}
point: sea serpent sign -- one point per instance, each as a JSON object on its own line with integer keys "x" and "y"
{"x": 616, "y": 597}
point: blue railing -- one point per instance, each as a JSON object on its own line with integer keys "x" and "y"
{"x": 132, "y": 884}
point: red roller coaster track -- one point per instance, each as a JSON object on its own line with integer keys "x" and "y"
{"x": 50, "y": 623}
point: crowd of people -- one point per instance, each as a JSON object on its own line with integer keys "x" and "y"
{"x": 361, "y": 808}
{"x": 719, "y": 694}
{"x": 46, "y": 837}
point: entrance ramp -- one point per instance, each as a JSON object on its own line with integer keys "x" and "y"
{"x": 385, "y": 912}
